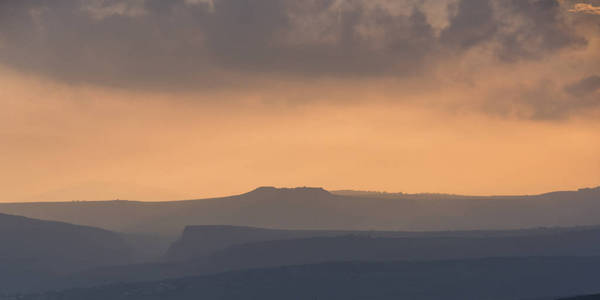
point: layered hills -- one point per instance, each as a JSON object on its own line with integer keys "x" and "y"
{"x": 276, "y": 243}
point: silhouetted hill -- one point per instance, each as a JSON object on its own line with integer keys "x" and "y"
{"x": 34, "y": 252}
{"x": 315, "y": 208}
{"x": 205, "y": 239}
{"x": 491, "y": 279}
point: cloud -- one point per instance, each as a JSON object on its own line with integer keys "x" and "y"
{"x": 211, "y": 44}
{"x": 472, "y": 24}
{"x": 585, "y": 8}
{"x": 584, "y": 87}
{"x": 548, "y": 102}
{"x": 157, "y": 42}
{"x": 531, "y": 28}
{"x": 545, "y": 100}
{"x": 100, "y": 9}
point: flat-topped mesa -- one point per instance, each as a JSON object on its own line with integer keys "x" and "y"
{"x": 296, "y": 190}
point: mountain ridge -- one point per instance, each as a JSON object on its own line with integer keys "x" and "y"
{"x": 316, "y": 208}
{"x": 341, "y": 192}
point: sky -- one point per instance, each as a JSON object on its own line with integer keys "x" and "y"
{"x": 161, "y": 100}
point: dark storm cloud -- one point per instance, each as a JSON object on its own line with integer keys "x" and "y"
{"x": 539, "y": 28}
{"x": 198, "y": 44}
{"x": 472, "y": 24}
{"x": 174, "y": 42}
{"x": 170, "y": 42}
{"x": 67, "y": 40}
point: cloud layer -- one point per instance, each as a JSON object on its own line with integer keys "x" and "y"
{"x": 586, "y": 8}
{"x": 200, "y": 44}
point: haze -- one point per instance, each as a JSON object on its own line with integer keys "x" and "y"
{"x": 163, "y": 100}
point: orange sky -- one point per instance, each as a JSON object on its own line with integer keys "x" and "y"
{"x": 474, "y": 125}
{"x": 71, "y": 142}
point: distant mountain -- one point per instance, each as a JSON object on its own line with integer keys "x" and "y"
{"x": 34, "y": 252}
{"x": 492, "y": 279}
{"x": 315, "y": 208}
{"x": 197, "y": 241}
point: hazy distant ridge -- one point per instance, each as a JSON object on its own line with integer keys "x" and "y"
{"x": 316, "y": 208}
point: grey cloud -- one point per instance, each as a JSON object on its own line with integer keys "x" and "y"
{"x": 185, "y": 44}
{"x": 155, "y": 42}
{"x": 472, "y": 24}
{"x": 173, "y": 42}
{"x": 66, "y": 42}
{"x": 582, "y": 94}
{"x": 535, "y": 27}
{"x": 547, "y": 100}
{"x": 518, "y": 29}
{"x": 584, "y": 87}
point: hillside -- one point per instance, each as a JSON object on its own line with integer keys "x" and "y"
{"x": 492, "y": 279}
{"x": 200, "y": 240}
{"x": 586, "y": 297}
{"x": 315, "y": 208}
{"x": 34, "y": 252}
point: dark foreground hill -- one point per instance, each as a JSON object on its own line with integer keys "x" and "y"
{"x": 314, "y": 208}
{"x": 586, "y": 297}
{"x": 34, "y": 252}
{"x": 496, "y": 278}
